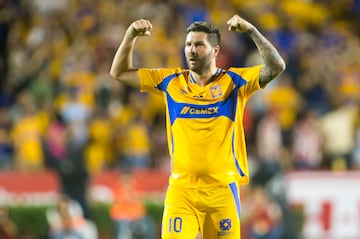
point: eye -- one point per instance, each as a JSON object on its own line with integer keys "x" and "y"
{"x": 199, "y": 44}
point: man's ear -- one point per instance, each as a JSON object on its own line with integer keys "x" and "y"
{"x": 216, "y": 50}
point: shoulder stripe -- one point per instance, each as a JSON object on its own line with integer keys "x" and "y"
{"x": 165, "y": 82}
{"x": 237, "y": 79}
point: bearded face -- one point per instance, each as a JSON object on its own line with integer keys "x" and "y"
{"x": 198, "y": 52}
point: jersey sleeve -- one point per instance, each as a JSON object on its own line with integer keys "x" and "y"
{"x": 151, "y": 78}
{"x": 251, "y": 75}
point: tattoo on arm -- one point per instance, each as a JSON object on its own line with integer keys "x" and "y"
{"x": 267, "y": 74}
{"x": 273, "y": 62}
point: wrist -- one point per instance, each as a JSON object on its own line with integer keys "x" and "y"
{"x": 130, "y": 34}
{"x": 251, "y": 31}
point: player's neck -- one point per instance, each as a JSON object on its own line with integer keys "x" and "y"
{"x": 205, "y": 77}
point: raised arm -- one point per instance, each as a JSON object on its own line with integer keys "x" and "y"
{"x": 273, "y": 62}
{"x": 122, "y": 65}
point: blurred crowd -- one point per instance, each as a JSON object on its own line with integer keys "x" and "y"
{"x": 60, "y": 109}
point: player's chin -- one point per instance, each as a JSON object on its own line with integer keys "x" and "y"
{"x": 193, "y": 66}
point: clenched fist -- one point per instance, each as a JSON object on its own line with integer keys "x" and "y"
{"x": 238, "y": 24}
{"x": 140, "y": 27}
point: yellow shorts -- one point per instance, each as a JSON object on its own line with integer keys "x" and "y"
{"x": 214, "y": 212}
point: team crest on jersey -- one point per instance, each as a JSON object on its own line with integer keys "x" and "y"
{"x": 225, "y": 226}
{"x": 216, "y": 91}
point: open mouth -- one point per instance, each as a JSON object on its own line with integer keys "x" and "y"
{"x": 193, "y": 59}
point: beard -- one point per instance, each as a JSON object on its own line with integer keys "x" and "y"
{"x": 199, "y": 65}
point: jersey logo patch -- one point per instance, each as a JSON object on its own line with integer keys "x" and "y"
{"x": 225, "y": 224}
{"x": 225, "y": 227}
{"x": 199, "y": 111}
{"x": 216, "y": 91}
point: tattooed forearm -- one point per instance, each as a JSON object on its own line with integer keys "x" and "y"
{"x": 273, "y": 62}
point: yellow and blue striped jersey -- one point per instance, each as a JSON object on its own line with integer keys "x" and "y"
{"x": 204, "y": 124}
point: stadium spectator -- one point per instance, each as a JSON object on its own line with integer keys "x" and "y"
{"x": 338, "y": 129}
{"x": 269, "y": 147}
{"x": 128, "y": 211}
{"x": 66, "y": 220}
{"x": 307, "y": 142}
{"x": 263, "y": 217}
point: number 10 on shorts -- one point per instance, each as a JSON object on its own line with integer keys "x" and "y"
{"x": 175, "y": 224}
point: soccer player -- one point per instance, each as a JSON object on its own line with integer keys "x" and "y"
{"x": 204, "y": 111}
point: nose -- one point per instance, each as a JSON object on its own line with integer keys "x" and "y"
{"x": 192, "y": 48}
